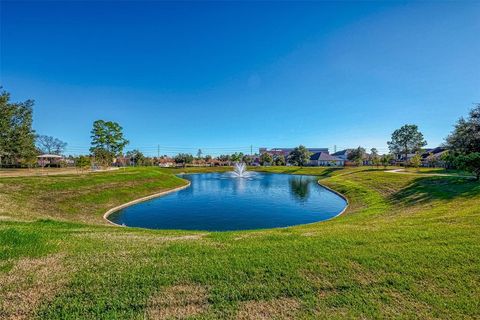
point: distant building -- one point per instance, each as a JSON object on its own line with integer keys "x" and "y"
{"x": 49, "y": 160}
{"x": 434, "y": 157}
{"x": 286, "y": 151}
{"x": 343, "y": 154}
{"x": 324, "y": 159}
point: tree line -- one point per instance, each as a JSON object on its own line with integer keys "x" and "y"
{"x": 20, "y": 145}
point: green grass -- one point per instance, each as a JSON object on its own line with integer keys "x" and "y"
{"x": 407, "y": 247}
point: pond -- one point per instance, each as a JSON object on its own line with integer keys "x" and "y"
{"x": 222, "y": 202}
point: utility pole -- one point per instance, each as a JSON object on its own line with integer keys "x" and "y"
{"x": 158, "y": 151}
{"x": 335, "y": 149}
{"x": 251, "y": 150}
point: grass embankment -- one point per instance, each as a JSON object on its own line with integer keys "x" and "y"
{"x": 408, "y": 246}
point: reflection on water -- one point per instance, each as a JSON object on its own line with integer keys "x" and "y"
{"x": 218, "y": 202}
{"x": 300, "y": 187}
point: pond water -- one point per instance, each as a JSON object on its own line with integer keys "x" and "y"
{"x": 221, "y": 202}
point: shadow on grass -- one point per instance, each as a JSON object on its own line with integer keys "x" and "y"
{"x": 424, "y": 189}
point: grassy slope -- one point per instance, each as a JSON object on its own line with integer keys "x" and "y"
{"x": 408, "y": 247}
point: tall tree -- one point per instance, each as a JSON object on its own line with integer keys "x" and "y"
{"x": 299, "y": 156}
{"x": 50, "y": 145}
{"x": 406, "y": 140}
{"x": 107, "y": 141}
{"x": 17, "y": 138}
{"x": 199, "y": 154}
{"x": 465, "y": 138}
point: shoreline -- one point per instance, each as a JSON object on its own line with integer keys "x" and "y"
{"x": 160, "y": 194}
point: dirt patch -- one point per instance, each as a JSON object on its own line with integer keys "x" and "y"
{"x": 178, "y": 302}
{"x": 283, "y": 308}
{"x": 30, "y": 282}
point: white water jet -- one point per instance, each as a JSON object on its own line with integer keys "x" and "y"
{"x": 240, "y": 170}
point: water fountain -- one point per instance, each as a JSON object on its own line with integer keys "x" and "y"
{"x": 240, "y": 170}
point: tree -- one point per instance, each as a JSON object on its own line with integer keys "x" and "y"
{"x": 279, "y": 160}
{"x": 236, "y": 157}
{"x": 465, "y": 138}
{"x": 50, "y": 145}
{"x": 469, "y": 162}
{"x": 299, "y": 156}
{"x": 375, "y": 157}
{"x": 17, "y": 138}
{"x": 406, "y": 140}
{"x": 386, "y": 159}
{"x": 247, "y": 159}
{"x": 83, "y": 162}
{"x": 357, "y": 155}
{"x": 199, "y": 154}
{"x": 265, "y": 158}
{"x": 416, "y": 161}
{"x": 183, "y": 158}
{"x": 432, "y": 161}
{"x": 208, "y": 158}
{"x": 107, "y": 141}
{"x": 224, "y": 158}
{"x": 136, "y": 157}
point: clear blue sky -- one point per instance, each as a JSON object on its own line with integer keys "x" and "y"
{"x": 229, "y": 75}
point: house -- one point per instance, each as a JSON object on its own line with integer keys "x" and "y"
{"x": 434, "y": 157}
{"x": 343, "y": 154}
{"x": 286, "y": 151}
{"x": 325, "y": 159}
{"x": 49, "y": 160}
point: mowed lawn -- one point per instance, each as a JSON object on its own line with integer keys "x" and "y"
{"x": 408, "y": 246}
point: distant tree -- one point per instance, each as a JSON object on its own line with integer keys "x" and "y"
{"x": 416, "y": 161}
{"x": 225, "y": 158}
{"x": 386, "y": 159}
{"x": 17, "y": 138}
{"x": 374, "y": 157}
{"x": 300, "y": 188}
{"x": 183, "y": 158}
{"x": 247, "y": 159}
{"x": 208, "y": 158}
{"x": 236, "y": 157}
{"x": 465, "y": 138}
{"x": 357, "y": 155}
{"x": 199, "y": 154}
{"x": 469, "y": 162}
{"x": 406, "y": 140}
{"x": 265, "y": 158}
{"x": 83, "y": 162}
{"x": 299, "y": 156}
{"x": 136, "y": 157}
{"x": 148, "y": 161}
{"x": 107, "y": 141}
{"x": 50, "y": 145}
{"x": 279, "y": 160}
{"x": 432, "y": 161}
